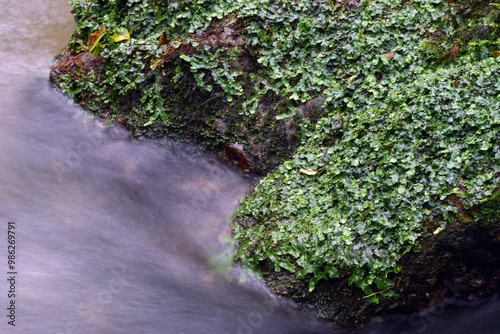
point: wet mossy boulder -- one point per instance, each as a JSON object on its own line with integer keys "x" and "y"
{"x": 460, "y": 263}
{"x": 376, "y": 122}
{"x": 393, "y": 196}
{"x": 177, "y": 104}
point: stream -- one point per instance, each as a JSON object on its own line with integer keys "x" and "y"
{"x": 113, "y": 235}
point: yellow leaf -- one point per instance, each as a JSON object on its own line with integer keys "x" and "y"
{"x": 310, "y": 172}
{"x": 121, "y": 35}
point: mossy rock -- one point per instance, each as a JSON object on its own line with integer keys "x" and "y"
{"x": 255, "y": 142}
{"x": 460, "y": 263}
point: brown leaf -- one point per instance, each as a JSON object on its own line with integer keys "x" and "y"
{"x": 95, "y": 36}
{"x": 163, "y": 38}
{"x": 389, "y": 56}
{"x": 454, "y": 53}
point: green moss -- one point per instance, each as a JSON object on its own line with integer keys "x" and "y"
{"x": 400, "y": 128}
{"x": 464, "y": 218}
{"x": 477, "y": 26}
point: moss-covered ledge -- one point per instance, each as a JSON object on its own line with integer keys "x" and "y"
{"x": 461, "y": 263}
{"x": 376, "y": 122}
{"x": 256, "y": 142}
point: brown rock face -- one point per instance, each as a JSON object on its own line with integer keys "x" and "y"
{"x": 75, "y": 65}
{"x": 236, "y": 154}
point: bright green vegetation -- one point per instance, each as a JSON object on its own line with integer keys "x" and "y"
{"x": 124, "y": 67}
{"x": 409, "y": 121}
{"x": 397, "y": 162}
{"x": 400, "y": 138}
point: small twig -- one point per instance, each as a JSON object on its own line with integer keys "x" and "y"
{"x": 376, "y": 293}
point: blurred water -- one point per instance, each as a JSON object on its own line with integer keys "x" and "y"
{"x": 115, "y": 236}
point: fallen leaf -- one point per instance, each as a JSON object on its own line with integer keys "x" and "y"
{"x": 163, "y": 38}
{"x": 389, "y": 56}
{"x": 310, "y": 172}
{"x": 95, "y": 37}
{"x": 496, "y": 54}
{"x": 121, "y": 35}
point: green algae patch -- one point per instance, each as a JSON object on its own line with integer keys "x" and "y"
{"x": 404, "y": 133}
{"x": 391, "y": 171}
{"x": 378, "y": 120}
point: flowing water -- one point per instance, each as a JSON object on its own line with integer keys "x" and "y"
{"x": 116, "y": 236}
